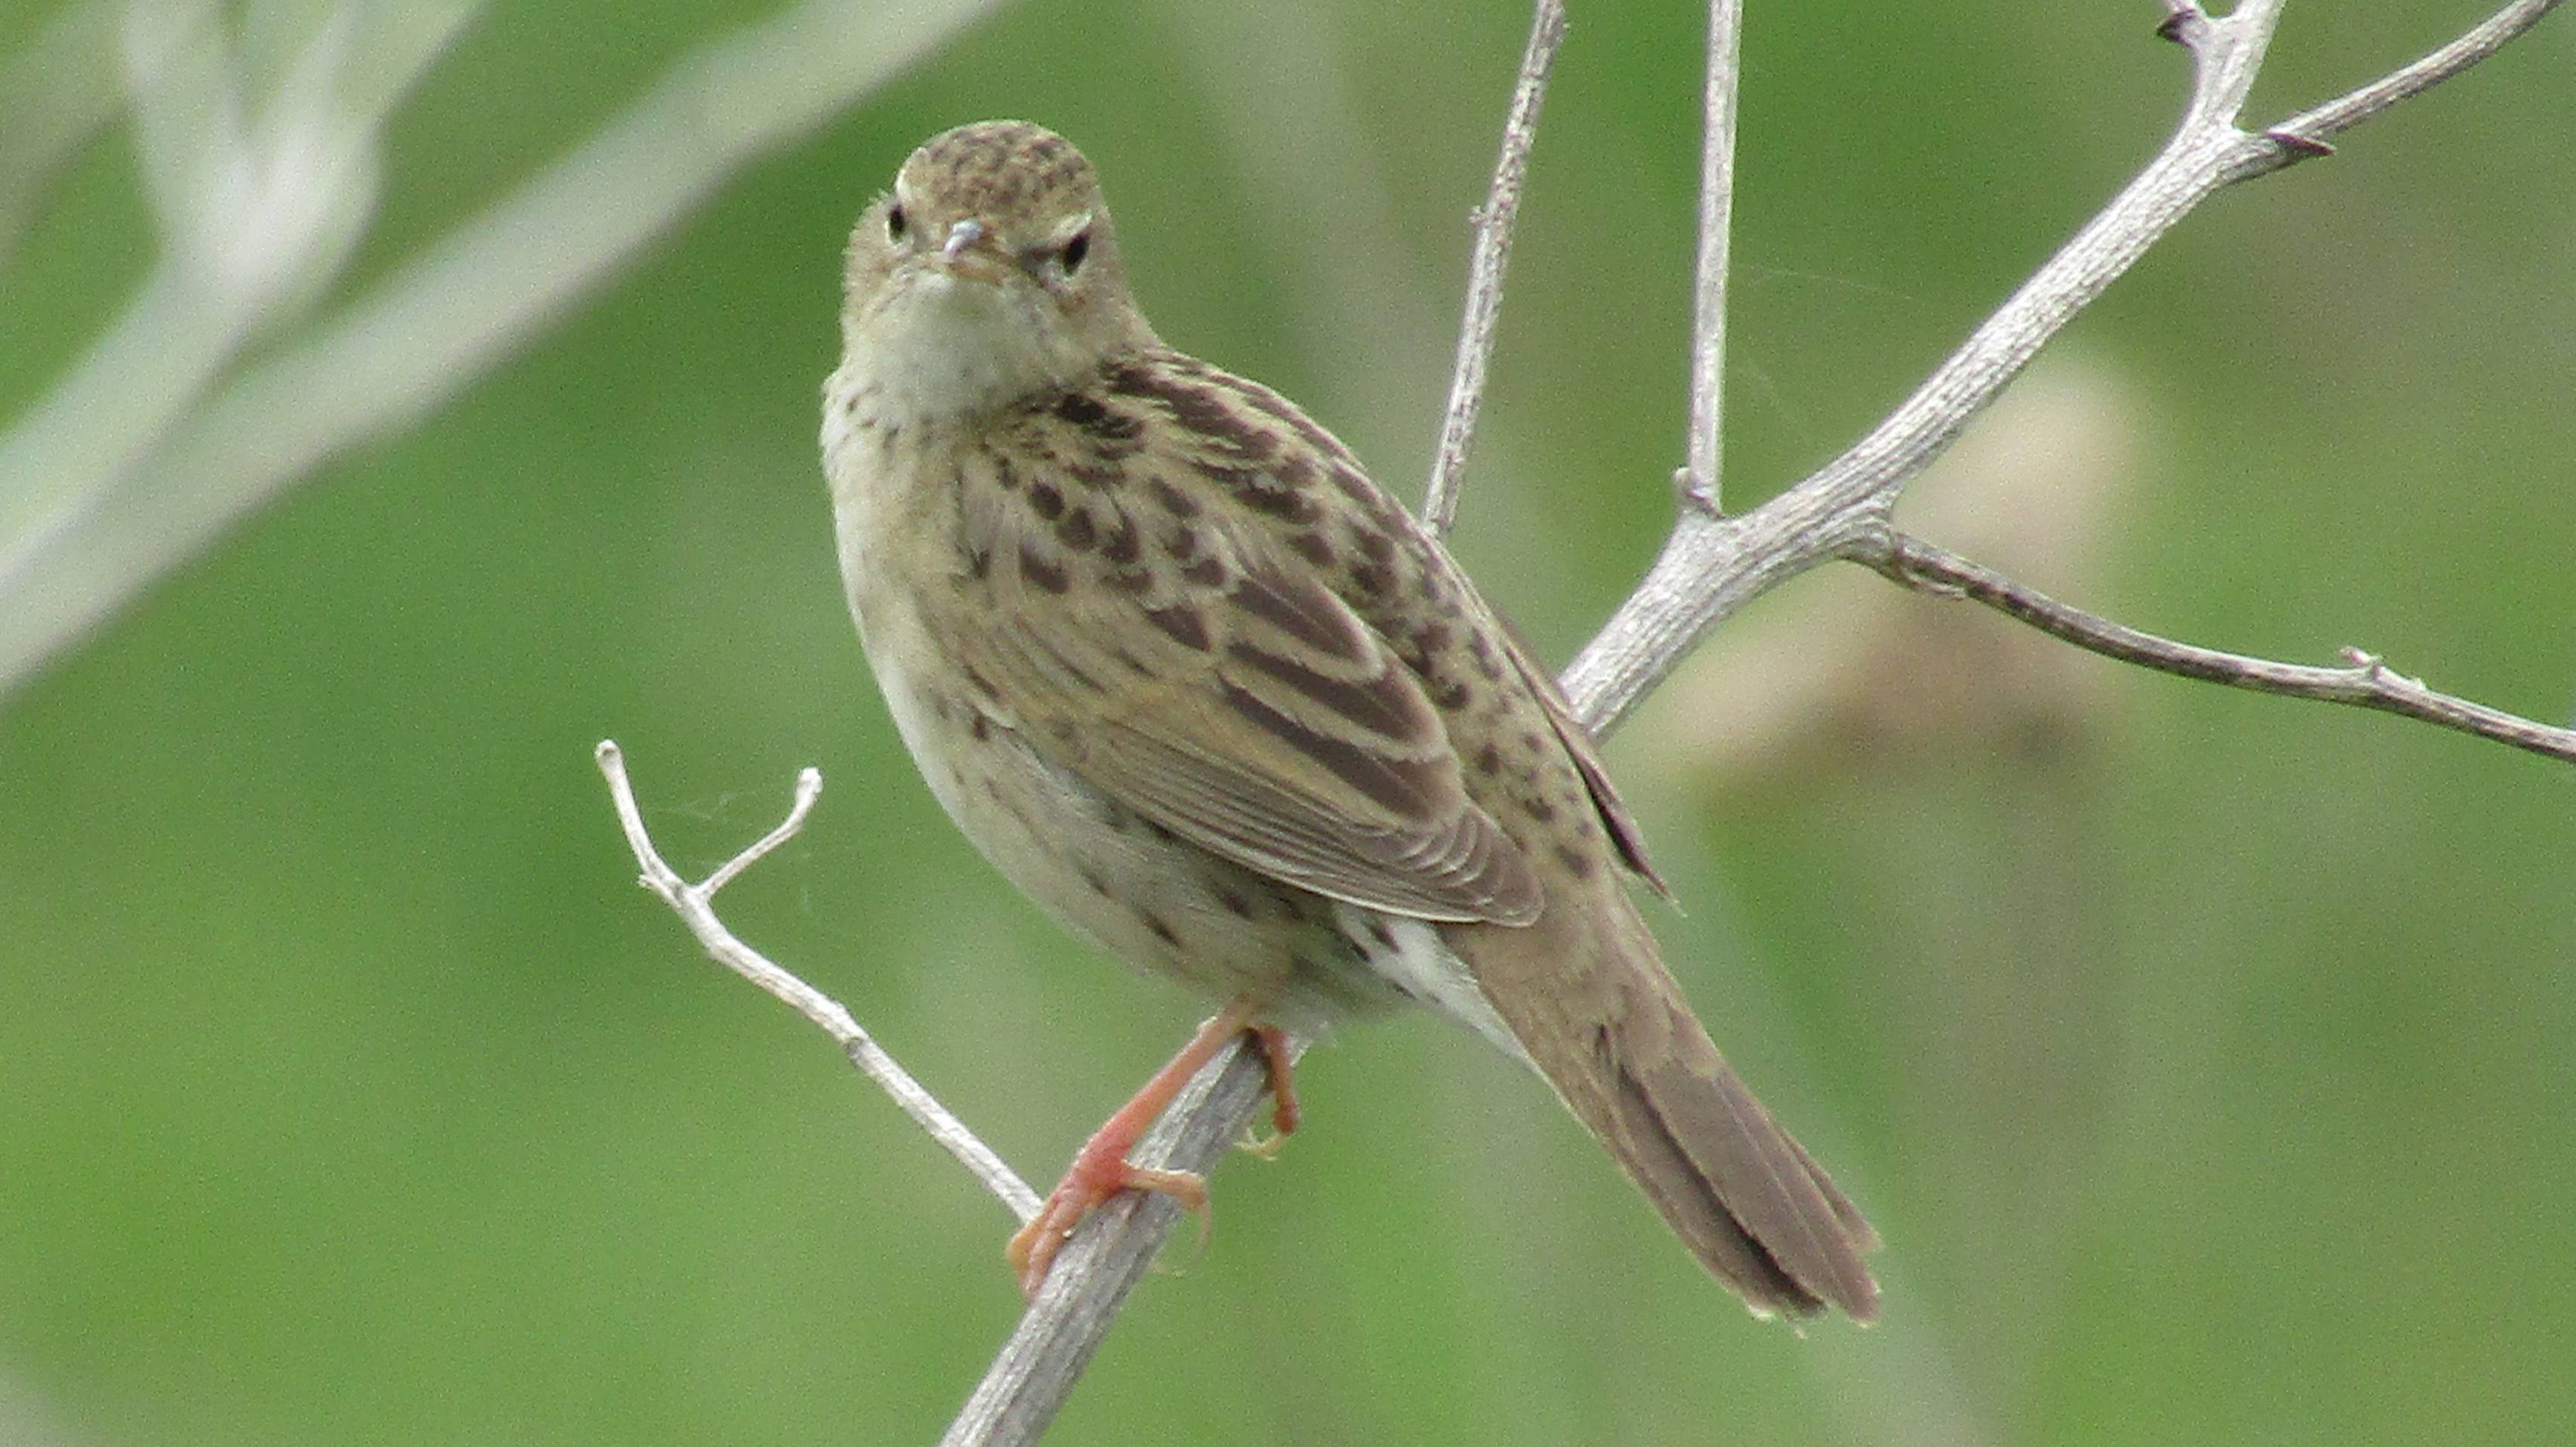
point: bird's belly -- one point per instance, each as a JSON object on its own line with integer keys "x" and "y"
{"x": 1122, "y": 882}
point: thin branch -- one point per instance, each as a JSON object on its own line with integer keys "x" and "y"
{"x": 1089, "y": 1282}
{"x": 1493, "y": 252}
{"x": 1700, "y": 482}
{"x": 2365, "y": 683}
{"x": 695, "y": 905}
{"x": 1711, "y": 566}
{"x": 2309, "y": 128}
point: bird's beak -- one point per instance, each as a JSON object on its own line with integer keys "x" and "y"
{"x": 970, "y": 253}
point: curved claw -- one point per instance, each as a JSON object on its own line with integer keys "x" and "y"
{"x": 1101, "y": 1169}
{"x": 1092, "y": 1180}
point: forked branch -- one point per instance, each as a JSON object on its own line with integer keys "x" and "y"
{"x": 695, "y": 905}
{"x": 1712, "y": 565}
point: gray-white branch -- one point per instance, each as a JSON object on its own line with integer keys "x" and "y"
{"x": 1494, "y": 222}
{"x": 1713, "y": 565}
{"x": 695, "y": 905}
{"x": 2364, "y": 682}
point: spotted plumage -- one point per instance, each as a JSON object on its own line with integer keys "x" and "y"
{"x": 1198, "y": 686}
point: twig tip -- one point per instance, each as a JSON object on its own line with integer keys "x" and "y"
{"x": 2182, "y": 23}
{"x": 2303, "y": 146}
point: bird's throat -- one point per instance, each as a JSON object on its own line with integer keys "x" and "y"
{"x": 937, "y": 347}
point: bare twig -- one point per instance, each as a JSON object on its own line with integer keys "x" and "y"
{"x": 1700, "y": 481}
{"x": 694, "y": 904}
{"x": 1485, "y": 270}
{"x": 2366, "y": 682}
{"x": 1712, "y": 566}
{"x": 1093, "y": 1274}
{"x": 2307, "y": 131}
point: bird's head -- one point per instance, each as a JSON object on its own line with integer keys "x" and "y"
{"x": 989, "y": 272}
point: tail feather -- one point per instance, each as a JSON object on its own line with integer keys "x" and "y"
{"x": 1745, "y": 1185}
{"x": 1597, "y": 1013}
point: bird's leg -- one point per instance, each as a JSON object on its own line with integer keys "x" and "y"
{"x": 1283, "y": 1091}
{"x": 1101, "y": 1169}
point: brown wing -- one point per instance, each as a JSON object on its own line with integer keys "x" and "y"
{"x": 1622, "y": 828}
{"x": 1149, "y": 636}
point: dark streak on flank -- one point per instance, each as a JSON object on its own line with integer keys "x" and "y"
{"x": 1075, "y": 531}
{"x": 1187, "y": 626}
{"x": 1198, "y": 409}
{"x": 1115, "y": 429}
{"x": 1171, "y": 499}
{"x": 1048, "y": 502}
{"x": 1162, "y": 931}
{"x": 1206, "y": 573}
{"x": 1041, "y": 573}
{"x": 1122, "y": 546}
{"x": 1303, "y": 611}
{"x": 1263, "y": 493}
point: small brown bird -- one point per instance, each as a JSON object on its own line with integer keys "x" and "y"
{"x": 1198, "y": 687}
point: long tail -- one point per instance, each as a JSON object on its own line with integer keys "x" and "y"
{"x": 1588, "y": 995}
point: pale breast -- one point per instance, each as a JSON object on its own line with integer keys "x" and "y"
{"x": 1115, "y": 879}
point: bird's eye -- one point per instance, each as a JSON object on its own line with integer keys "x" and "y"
{"x": 1070, "y": 257}
{"x": 895, "y": 223}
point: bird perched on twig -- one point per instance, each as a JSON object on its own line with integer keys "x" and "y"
{"x": 1198, "y": 687}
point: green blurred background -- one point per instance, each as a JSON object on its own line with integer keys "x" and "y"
{"x": 2205, "y": 1059}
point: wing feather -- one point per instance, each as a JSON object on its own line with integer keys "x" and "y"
{"x": 1159, "y": 642}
